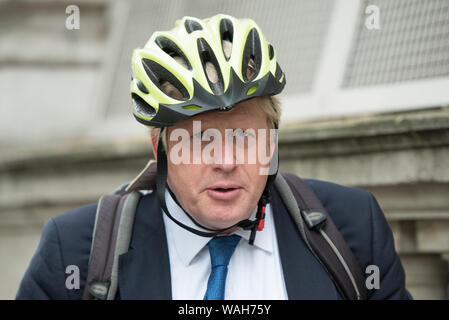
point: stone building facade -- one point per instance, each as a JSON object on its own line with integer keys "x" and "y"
{"x": 362, "y": 107}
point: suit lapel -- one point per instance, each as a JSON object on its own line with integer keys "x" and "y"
{"x": 305, "y": 278}
{"x": 144, "y": 271}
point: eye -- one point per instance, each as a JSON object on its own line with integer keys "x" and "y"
{"x": 243, "y": 133}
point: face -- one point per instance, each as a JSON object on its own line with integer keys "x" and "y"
{"x": 223, "y": 190}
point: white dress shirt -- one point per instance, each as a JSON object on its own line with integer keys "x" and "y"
{"x": 254, "y": 272}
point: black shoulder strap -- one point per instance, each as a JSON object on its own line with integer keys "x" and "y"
{"x": 322, "y": 236}
{"x": 112, "y": 234}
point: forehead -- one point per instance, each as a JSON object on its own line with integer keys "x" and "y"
{"x": 246, "y": 114}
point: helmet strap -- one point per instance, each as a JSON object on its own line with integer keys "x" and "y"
{"x": 161, "y": 185}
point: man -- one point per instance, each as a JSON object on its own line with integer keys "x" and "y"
{"x": 215, "y": 227}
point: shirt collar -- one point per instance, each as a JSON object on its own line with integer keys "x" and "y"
{"x": 188, "y": 244}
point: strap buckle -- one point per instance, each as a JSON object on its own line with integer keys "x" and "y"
{"x": 314, "y": 218}
{"x": 99, "y": 289}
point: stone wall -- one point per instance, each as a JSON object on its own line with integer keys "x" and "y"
{"x": 400, "y": 158}
{"x": 48, "y": 74}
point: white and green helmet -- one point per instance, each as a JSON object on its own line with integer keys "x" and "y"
{"x": 227, "y": 44}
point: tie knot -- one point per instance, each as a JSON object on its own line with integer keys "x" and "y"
{"x": 221, "y": 249}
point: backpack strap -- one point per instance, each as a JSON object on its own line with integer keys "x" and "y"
{"x": 322, "y": 236}
{"x": 111, "y": 238}
{"x": 112, "y": 232}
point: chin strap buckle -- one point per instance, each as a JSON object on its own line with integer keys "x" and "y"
{"x": 262, "y": 219}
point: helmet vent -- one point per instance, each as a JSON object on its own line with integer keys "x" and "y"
{"x": 170, "y": 48}
{"x": 271, "y": 51}
{"x": 192, "y": 25}
{"x": 142, "y": 107}
{"x": 211, "y": 72}
{"x": 227, "y": 49}
{"x": 210, "y": 66}
{"x": 227, "y": 35}
{"x": 251, "y": 68}
{"x": 166, "y": 81}
{"x": 141, "y": 86}
{"x": 170, "y": 90}
{"x": 252, "y": 56}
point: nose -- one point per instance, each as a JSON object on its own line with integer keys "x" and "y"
{"x": 226, "y": 159}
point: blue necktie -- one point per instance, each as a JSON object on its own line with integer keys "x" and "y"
{"x": 221, "y": 250}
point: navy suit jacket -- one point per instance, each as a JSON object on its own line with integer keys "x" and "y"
{"x": 144, "y": 271}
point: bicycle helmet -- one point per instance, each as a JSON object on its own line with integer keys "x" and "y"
{"x": 213, "y": 64}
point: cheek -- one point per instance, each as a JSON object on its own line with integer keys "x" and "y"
{"x": 182, "y": 183}
{"x": 258, "y": 180}
{"x": 261, "y": 181}
{"x": 187, "y": 188}
{"x": 175, "y": 178}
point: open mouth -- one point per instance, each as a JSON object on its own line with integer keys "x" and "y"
{"x": 223, "y": 189}
{"x": 224, "y": 193}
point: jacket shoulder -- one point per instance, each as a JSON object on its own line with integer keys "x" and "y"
{"x": 77, "y": 224}
{"x": 64, "y": 244}
{"x": 331, "y": 194}
{"x": 350, "y": 208}
{"x": 363, "y": 225}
